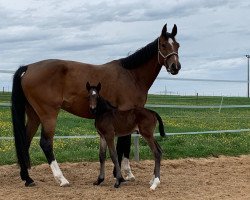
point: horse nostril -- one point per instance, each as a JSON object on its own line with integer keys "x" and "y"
{"x": 173, "y": 66}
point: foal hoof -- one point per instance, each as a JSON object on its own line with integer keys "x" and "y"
{"x": 99, "y": 181}
{"x": 118, "y": 182}
{"x": 30, "y": 183}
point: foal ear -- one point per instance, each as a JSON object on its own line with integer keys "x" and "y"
{"x": 174, "y": 31}
{"x": 88, "y": 86}
{"x": 164, "y": 31}
{"x": 98, "y": 87}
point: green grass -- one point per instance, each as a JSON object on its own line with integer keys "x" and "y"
{"x": 175, "y": 120}
{"x": 4, "y": 97}
{"x": 174, "y": 147}
{"x": 193, "y": 100}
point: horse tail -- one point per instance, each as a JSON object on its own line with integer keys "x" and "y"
{"x": 161, "y": 126}
{"x": 18, "y": 101}
{"x": 159, "y": 149}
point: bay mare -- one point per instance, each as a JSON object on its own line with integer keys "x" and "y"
{"x": 41, "y": 89}
{"x": 111, "y": 122}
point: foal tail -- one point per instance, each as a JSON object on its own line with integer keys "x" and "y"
{"x": 19, "y": 100}
{"x": 161, "y": 126}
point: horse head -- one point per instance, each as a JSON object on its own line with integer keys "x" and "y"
{"x": 168, "y": 50}
{"x": 93, "y": 95}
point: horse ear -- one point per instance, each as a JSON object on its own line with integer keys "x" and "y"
{"x": 174, "y": 31}
{"x": 98, "y": 87}
{"x": 164, "y": 31}
{"x": 88, "y": 86}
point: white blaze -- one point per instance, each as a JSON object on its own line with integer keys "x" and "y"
{"x": 171, "y": 42}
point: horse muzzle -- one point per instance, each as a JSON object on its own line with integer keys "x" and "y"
{"x": 174, "y": 68}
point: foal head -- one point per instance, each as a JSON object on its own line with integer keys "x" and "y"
{"x": 168, "y": 50}
{"x": 93, "y": 96}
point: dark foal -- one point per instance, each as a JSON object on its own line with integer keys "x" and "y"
{"x": 111, "y": 122}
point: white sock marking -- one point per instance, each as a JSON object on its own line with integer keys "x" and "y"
{"x": 156, "y": 182}
{"x": 57, "y": 173}
{"x": 125, "y": 165}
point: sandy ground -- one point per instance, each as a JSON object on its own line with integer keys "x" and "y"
{"x": 213, "y": 178}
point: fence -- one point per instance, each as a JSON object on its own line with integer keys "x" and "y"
{"x": 237, "y": 90}
{"x": 136, "y": 137}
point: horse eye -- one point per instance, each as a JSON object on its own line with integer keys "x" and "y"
{"x": 163, "y": 45}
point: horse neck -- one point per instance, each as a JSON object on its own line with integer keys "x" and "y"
{"x": 146, "y": 74}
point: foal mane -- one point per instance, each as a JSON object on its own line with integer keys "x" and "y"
{"x": 141, "y": 56}
{"x": 103, "y": 106}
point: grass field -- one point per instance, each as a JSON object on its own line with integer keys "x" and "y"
{"x": 176, "y": 120}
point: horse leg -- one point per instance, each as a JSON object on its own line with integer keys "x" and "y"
{"x": 46, "y": 143}
{"x": 120, "y": 152}
{"x": 156, "y": 150}
{"x": 32, "y": 124}
{"x": 102, "y": 158}
{"x": 31, "y": 128}
{"x": 123, "y": 148}
{"x": 113, "y": 155}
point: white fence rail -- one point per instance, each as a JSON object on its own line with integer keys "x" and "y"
{"x": 136, "y": 136}
{"x": 173, "y": 106}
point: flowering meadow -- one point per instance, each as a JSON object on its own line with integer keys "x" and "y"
{"x": 176, "y": 120}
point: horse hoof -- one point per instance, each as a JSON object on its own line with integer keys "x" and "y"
{"x": 30, "y": 184}
{"x": 130, "y": 177}
{"x": 117, "y": 185}
{"x": 99, "y": 181}
{"x": 66, "y": 184}
{"x": 119, "y": 181}
{"x": 122, "y": 180}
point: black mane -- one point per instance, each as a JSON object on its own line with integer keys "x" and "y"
{"x": 140, "y": 56}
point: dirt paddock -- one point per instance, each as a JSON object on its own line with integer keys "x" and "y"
{"x": 213, "y": 178}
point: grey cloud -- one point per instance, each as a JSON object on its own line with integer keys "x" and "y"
{"x": 81, "y": 30}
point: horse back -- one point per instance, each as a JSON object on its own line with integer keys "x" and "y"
{"x": 56, "y": 84}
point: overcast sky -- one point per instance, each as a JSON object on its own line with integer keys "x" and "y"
{"x": 214, "y": 36}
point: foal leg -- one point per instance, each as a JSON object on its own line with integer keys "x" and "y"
{"x": 46, "y": 143}
{"x": 156, "y": 150}
{"x": 102, "y": 158}
{"x": 113, "y": 155}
